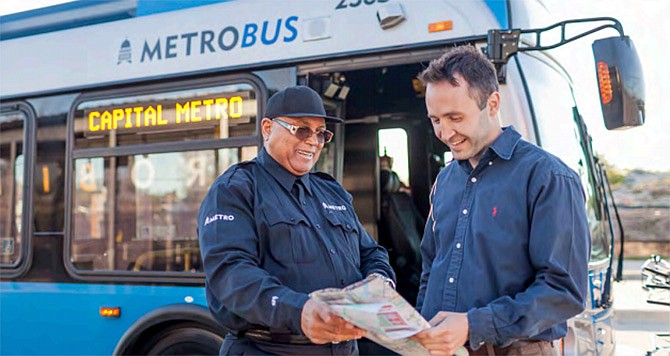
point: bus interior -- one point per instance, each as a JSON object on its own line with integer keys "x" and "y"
{"x": 391, "y": 206}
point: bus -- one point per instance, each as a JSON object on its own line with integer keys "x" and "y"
{"x": 116, "y": 116}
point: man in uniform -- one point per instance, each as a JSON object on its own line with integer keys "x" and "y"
{"x": 271, "y": 232}
{"x": 506, "y": 245}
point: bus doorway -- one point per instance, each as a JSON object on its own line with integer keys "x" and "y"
{"x": 384, "y": 112}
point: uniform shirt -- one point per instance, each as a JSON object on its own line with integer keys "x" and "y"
{"x": 265, "y": 250}
{"x": 507, "y": 242}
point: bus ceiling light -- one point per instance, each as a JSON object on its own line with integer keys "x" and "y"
{"x": 604, "y": 82}
{"x": 390, "y": 15}
{"x": 110, "y": 312}
{"x": 440, "y": 26}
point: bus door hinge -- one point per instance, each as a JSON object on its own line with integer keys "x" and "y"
{"x": 502, "y": 44}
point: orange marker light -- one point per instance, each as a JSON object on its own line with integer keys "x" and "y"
{"x": 605, "y": 82}
{"x": 110, "y": 312}
{"x": 45, "y": 179}
{"x": 440, "y": 26}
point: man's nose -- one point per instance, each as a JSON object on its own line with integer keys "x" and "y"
{"x": 444, "y": 132}
{"x": 312, "y": 139}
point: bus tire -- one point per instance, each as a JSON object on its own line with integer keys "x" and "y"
{"x": 184, "y": 340}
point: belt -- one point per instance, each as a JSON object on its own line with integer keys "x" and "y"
{"x": 488, "y": 349}
{"x": 267, "y": 336}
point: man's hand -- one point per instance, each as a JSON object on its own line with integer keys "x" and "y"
{"x": 321, "y": 326}
{"x": 448, "y": 332}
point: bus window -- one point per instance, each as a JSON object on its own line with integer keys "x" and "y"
{"x": 139, "y": 177}
{"x": 393, "y": 143}
{"x": 12, "y": 132}
{"x": 152, "y": 225}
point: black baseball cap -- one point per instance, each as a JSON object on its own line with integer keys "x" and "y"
{"x": 297, "y": 101}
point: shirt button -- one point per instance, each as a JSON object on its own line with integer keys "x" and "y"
{"x": 332, "y": 250}
{"x": 474, "y": 180}
{"x": 490, "y": 163}
{"x": 465, "y": 211}
{"x": 318, "y": 226}
{"x": 348, "y": 226}
{"x": 304, "y": 202}
{"x": 451, "y": 280}
{"x": 458, "y": 245}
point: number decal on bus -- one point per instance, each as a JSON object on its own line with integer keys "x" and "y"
{"x": 355, "y": 3}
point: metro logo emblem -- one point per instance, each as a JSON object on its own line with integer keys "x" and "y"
{"x": 125, "y": 53}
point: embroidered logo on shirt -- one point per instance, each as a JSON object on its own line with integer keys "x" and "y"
{"x": 217, "y": 217}
{"x": 334, "y": 207}
{"x": 495, "y": 211}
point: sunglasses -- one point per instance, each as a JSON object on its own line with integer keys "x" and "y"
{"x": 304, "y": 132}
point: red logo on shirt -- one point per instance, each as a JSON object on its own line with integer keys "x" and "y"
{"x": 495, "y": 211}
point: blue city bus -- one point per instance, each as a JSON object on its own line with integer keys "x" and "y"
{"x": 116, "y": 117}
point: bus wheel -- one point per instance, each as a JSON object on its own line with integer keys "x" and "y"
{"x": 185, "y": 340}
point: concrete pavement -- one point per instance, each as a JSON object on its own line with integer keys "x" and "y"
{"x": 636, "y": 320}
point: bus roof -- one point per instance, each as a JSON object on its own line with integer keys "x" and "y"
{"x": 222, "y": 35}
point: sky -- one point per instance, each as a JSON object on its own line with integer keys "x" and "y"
{"x": 644, "y": 147}
{"x": 645, "y": 21}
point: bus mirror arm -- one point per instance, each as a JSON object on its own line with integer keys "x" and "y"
{"x": 503, "y": 44}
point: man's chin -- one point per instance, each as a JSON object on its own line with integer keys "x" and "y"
{"x": 459, "y": 156}
{"x": 302, "y": 169}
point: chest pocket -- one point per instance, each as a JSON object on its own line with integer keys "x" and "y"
{"x": 291, "y": 239}
{"x": 347, "y": 233}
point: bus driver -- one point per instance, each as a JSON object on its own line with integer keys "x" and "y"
{"x": 271, "y": 232}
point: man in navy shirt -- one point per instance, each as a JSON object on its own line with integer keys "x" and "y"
{"x": 271, "y": 232}
{"x": 506, "y": 245}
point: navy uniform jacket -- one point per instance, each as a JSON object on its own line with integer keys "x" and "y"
{"x": 508, "y": 242}
{"x": 264, "y": 250}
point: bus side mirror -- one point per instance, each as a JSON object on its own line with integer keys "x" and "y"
{"x": 620, "y": 81}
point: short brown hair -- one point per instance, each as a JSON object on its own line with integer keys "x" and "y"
{"x": 469, "y": 63}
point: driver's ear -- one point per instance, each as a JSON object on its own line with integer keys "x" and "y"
{"x": 266, "y": 128}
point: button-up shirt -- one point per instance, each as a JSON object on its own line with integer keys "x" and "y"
{"x": 507, "y": 242}
{"x": 265, "y": 249}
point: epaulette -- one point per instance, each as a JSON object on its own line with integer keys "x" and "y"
{"x": 324, "y": 175}
{"x": 230, "y": 172}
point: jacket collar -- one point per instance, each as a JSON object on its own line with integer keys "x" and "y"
{"x": 281, "y": 174}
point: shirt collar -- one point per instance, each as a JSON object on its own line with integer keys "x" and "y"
{"x": 505, "y": 144}
{"x": 281, "y": 174}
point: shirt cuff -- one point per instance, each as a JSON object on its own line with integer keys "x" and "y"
{"x": 482, "y": 330}
{"x": 295, "y": 304}
{"x": 381, "y": 272}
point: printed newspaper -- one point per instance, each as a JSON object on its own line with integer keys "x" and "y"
{"x": 374, "y": 306}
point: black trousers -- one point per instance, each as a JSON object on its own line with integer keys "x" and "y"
{"x": 241, "y": 346}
